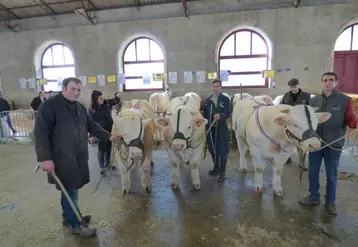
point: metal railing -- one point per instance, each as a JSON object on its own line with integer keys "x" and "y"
{"x": 16, "y": 124}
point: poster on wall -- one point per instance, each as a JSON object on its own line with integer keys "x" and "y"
{"x": 224, "y": 75}
{"x": 22, "y": 83}
{"x": 121, "y": 79}
{"x": 200, "y": 77}
{"x": 111, "y": 78}
{"x": 83, "y": 79}
{"x": 32, "y": 83}
{"x": 188, "y": 77}
{"x": 173, "y": 77}
{"x": 212, "y": 76}
{"x": 158, "y": 77}
{"x": 146, "y": 78}
{"x": 92, "y": 80}
{"x": 101, "y": 80}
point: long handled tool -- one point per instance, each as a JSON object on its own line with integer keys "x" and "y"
{"x": 58, "y": 181}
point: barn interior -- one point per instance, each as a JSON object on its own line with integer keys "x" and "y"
{"x": 253, "y": 46}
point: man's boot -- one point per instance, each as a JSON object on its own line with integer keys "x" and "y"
{"x": 223, "y": 161}
{"x": 101, "y": 156}
{"x": 215, "y": 170}
{"x": 84, "y": 231}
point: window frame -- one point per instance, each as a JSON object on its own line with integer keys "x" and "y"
{"x": 54, "y": 66}
{"x": 267, "y": 55}
{"x": 141, "y": 62}
{"x": 352, "y": 26}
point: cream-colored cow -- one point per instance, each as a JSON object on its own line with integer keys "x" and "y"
{"x": 194, "y": 97}
{"x": 237, "y": 97}
{"x": 159, "y": 101}
{"x": 272, "y": 133}
{"x": 135, "y": 124}
{"x": 184, "y": 139}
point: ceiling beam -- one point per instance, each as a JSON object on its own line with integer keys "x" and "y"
{"x": 138, "y": 4}
{"x": 12, "y": 27}
{"x": 9, "y": 11}
{"x": 185, "y": 8}
{"x": 87, "y": 14}
{"x": 47, "y": 7}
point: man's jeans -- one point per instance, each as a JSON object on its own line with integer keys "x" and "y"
{"x": 331, "y": 160}
{"x": 67, "y": 212}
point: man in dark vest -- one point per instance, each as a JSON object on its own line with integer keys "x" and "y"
{"x": 341, "y": 108}
{"x": 217, "y": 107}
{"x": 295, "y": 96}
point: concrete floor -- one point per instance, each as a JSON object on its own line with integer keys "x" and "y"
{"x": 227, "y": 214}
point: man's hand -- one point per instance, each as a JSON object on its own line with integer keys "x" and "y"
{"x": 115, "y": 137}
{"x": 217, "y": 116}
{"x": 91, "y": 140}
{"x": 48, "y": 166}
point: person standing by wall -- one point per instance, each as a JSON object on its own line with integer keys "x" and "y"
{"x": 61, "y": 146}
{"x": 341, "y": 108}
{"x": 100, "y": 110}
{"x": 5, "y": 108}
{"x": 295, "y": 96}
{"x": 36, "y": 102}
{"x": 217, "y": 107}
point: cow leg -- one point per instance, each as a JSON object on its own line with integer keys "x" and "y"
{"x": 125, "y": 179}
{"x": 259, "y": 166}
{"x": 194, "y": 165}
{"x": 175, "y": 162}
{"x": 302, "y": 158}
{"x": 146, "y": 178}
{"x": 276, "y": 179}
{"x": 243, "y": 160}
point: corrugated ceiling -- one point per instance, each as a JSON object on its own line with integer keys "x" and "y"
{"x": 23, "y": 9}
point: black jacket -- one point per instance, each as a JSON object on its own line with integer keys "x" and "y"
{"x": 102, "y": 113}
{"x": 4, "y": 105}
{"x": 60, "y": 133}
{"x": 302, "y": 97}
{"x": 35, "y": 103}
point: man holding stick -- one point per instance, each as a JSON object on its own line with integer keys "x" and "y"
{"x": 61, "y": 128}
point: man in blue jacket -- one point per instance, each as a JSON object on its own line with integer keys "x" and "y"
{"x": 217, "y": 107}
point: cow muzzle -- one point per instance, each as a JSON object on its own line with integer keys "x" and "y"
{"x": 179, "y": 144}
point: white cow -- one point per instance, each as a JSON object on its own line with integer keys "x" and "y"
{"x": 237, "y": 97}
{"x": 194, "y": 97}
{"x": 272, "y": 133}
{"x": 159, "y": 101}
{"x": 135, "y": 124}
{"x": 184, "y": 139}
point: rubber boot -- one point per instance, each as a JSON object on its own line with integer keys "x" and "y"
{"x": 222, "y": 163}
{"x": 101, "y": 156}
{"x": 215, "y": 170}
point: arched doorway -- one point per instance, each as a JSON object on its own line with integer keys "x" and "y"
{"x": 346, "y": 59}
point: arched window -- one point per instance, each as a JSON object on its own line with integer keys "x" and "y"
{"x": 245, "y": 54}
{"x": 142, "y": 56}
{"x": 57, "y": 63}
{"x": 348, "y": 39}
{"x": 346, "y": 59}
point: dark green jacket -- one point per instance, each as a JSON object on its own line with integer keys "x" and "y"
{"x": 302, "y": 97}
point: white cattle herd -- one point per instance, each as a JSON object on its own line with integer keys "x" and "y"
{"x": 268, "y": 131}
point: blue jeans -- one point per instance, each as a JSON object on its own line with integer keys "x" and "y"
{"x": 331, "y": 160}
{"x": 67, "y": 213}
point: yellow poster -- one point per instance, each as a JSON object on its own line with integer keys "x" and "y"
{"x": 269, "y": 73}
{"x": 212, "y": 75}
{"x": 92, "y": 79}
{"x": 158, "y": 77}
{"x": 43, "y": 81}
{"x": 111, "y": 78}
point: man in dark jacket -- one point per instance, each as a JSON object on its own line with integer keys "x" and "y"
{"x": 217, "y": 107}
{"x": 36, "y": 102}
{"x": 295, "y": 96}
{"x": 4, "y": 112}
{"x": 61, "y": 129}
{"x": 341, "y": 108}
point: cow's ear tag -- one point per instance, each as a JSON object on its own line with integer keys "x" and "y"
{"x": 279, "y": 121}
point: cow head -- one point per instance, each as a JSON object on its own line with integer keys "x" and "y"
{"x": 182, "y": 124}
{"x": 300, "y": 123}
{"x": 132, "y": 130}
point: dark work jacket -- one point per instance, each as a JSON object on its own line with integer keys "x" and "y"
{"x": 60, "y": 133}
{"x": 302, "y": 97}
{"x": 335, "y": 127}
{"x": 221, "y": 144}
{"x": 35, "y": 103}
{"x": 102, "y": 113}
{"x": 4, "y": 105}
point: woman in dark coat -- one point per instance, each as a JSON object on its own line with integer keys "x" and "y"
{"x": 100, "y": 110}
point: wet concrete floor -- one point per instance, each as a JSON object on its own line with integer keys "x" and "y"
{"x": 220, "y": 214}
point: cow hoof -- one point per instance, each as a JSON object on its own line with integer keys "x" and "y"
{"x": 196, "y": 186}
{"x": 174, "y": 185}
{"x": 243, "y": 170}
{"x": 278, "y": 192}
{"x": 152, "y": 163}
{"x": 126, "y": 191}
{"x": 257, "y": 188}
{"x": 148, "y": 189}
